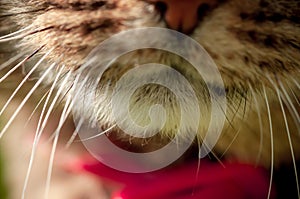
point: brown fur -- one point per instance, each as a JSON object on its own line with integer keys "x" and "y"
{"x": 255, "y": 44}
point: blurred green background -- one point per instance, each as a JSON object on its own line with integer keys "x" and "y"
{"x": 3, "y": 188}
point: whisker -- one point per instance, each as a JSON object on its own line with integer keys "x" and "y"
{"x": 23, "y": 82}
{"x": 19, "y": 64}
{"x": 200, "y": 138}
{"x": 43, "y": 97}
{"x": 81, "y": 120}
{"x": 74, "y": 96}
{"x": 290, "y": 105}
{"x": 289, "y": 138}
{"x": 99, "y": 134}
{"x": 52, "y": 105}
{"x": 199, "y": 141}
{"x": 194, "y": 189}
{"x": 14, "y": 38}
{"x": 20, "y": 13}
{"x": 260, "y": 124}
{"x": 230, "y": 144}
{"x": 231, "y": 108}
{"x": 243, "y": 97}
{"x": 48, "y": 99}
{"x": 11, "y": 60}
{"x": 36, "y": 107}
{"x": 78, "y": 126}
{"x": 62, "y": 96}
{"x": 16, "y": 32}
{"x": 63, "y": 117}
{"x": 38, "y": 134}
{"x": 25, "y": 100}
{"x": 23, "y": 35}
{"x": 70, "y": 105}
{"x": 272, "y": 141}
{"x": 230, "y": 122}
{"x": 236, "y": 109}
{"x": 295, "y": 97}
{"x": 295, "y": 82}
{"x": 74, "y": 134}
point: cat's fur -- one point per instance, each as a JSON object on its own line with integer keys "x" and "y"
{"x": 255, "y": 44}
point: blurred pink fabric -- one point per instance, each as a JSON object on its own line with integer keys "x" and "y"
{"x": 194, "y": 180}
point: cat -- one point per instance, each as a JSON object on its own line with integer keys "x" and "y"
{"x": 254, "y": 44}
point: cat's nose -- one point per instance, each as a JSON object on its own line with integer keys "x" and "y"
{"x": 181, "y": 15}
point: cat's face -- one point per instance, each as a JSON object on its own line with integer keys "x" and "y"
{"x": 255, "y": 45}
